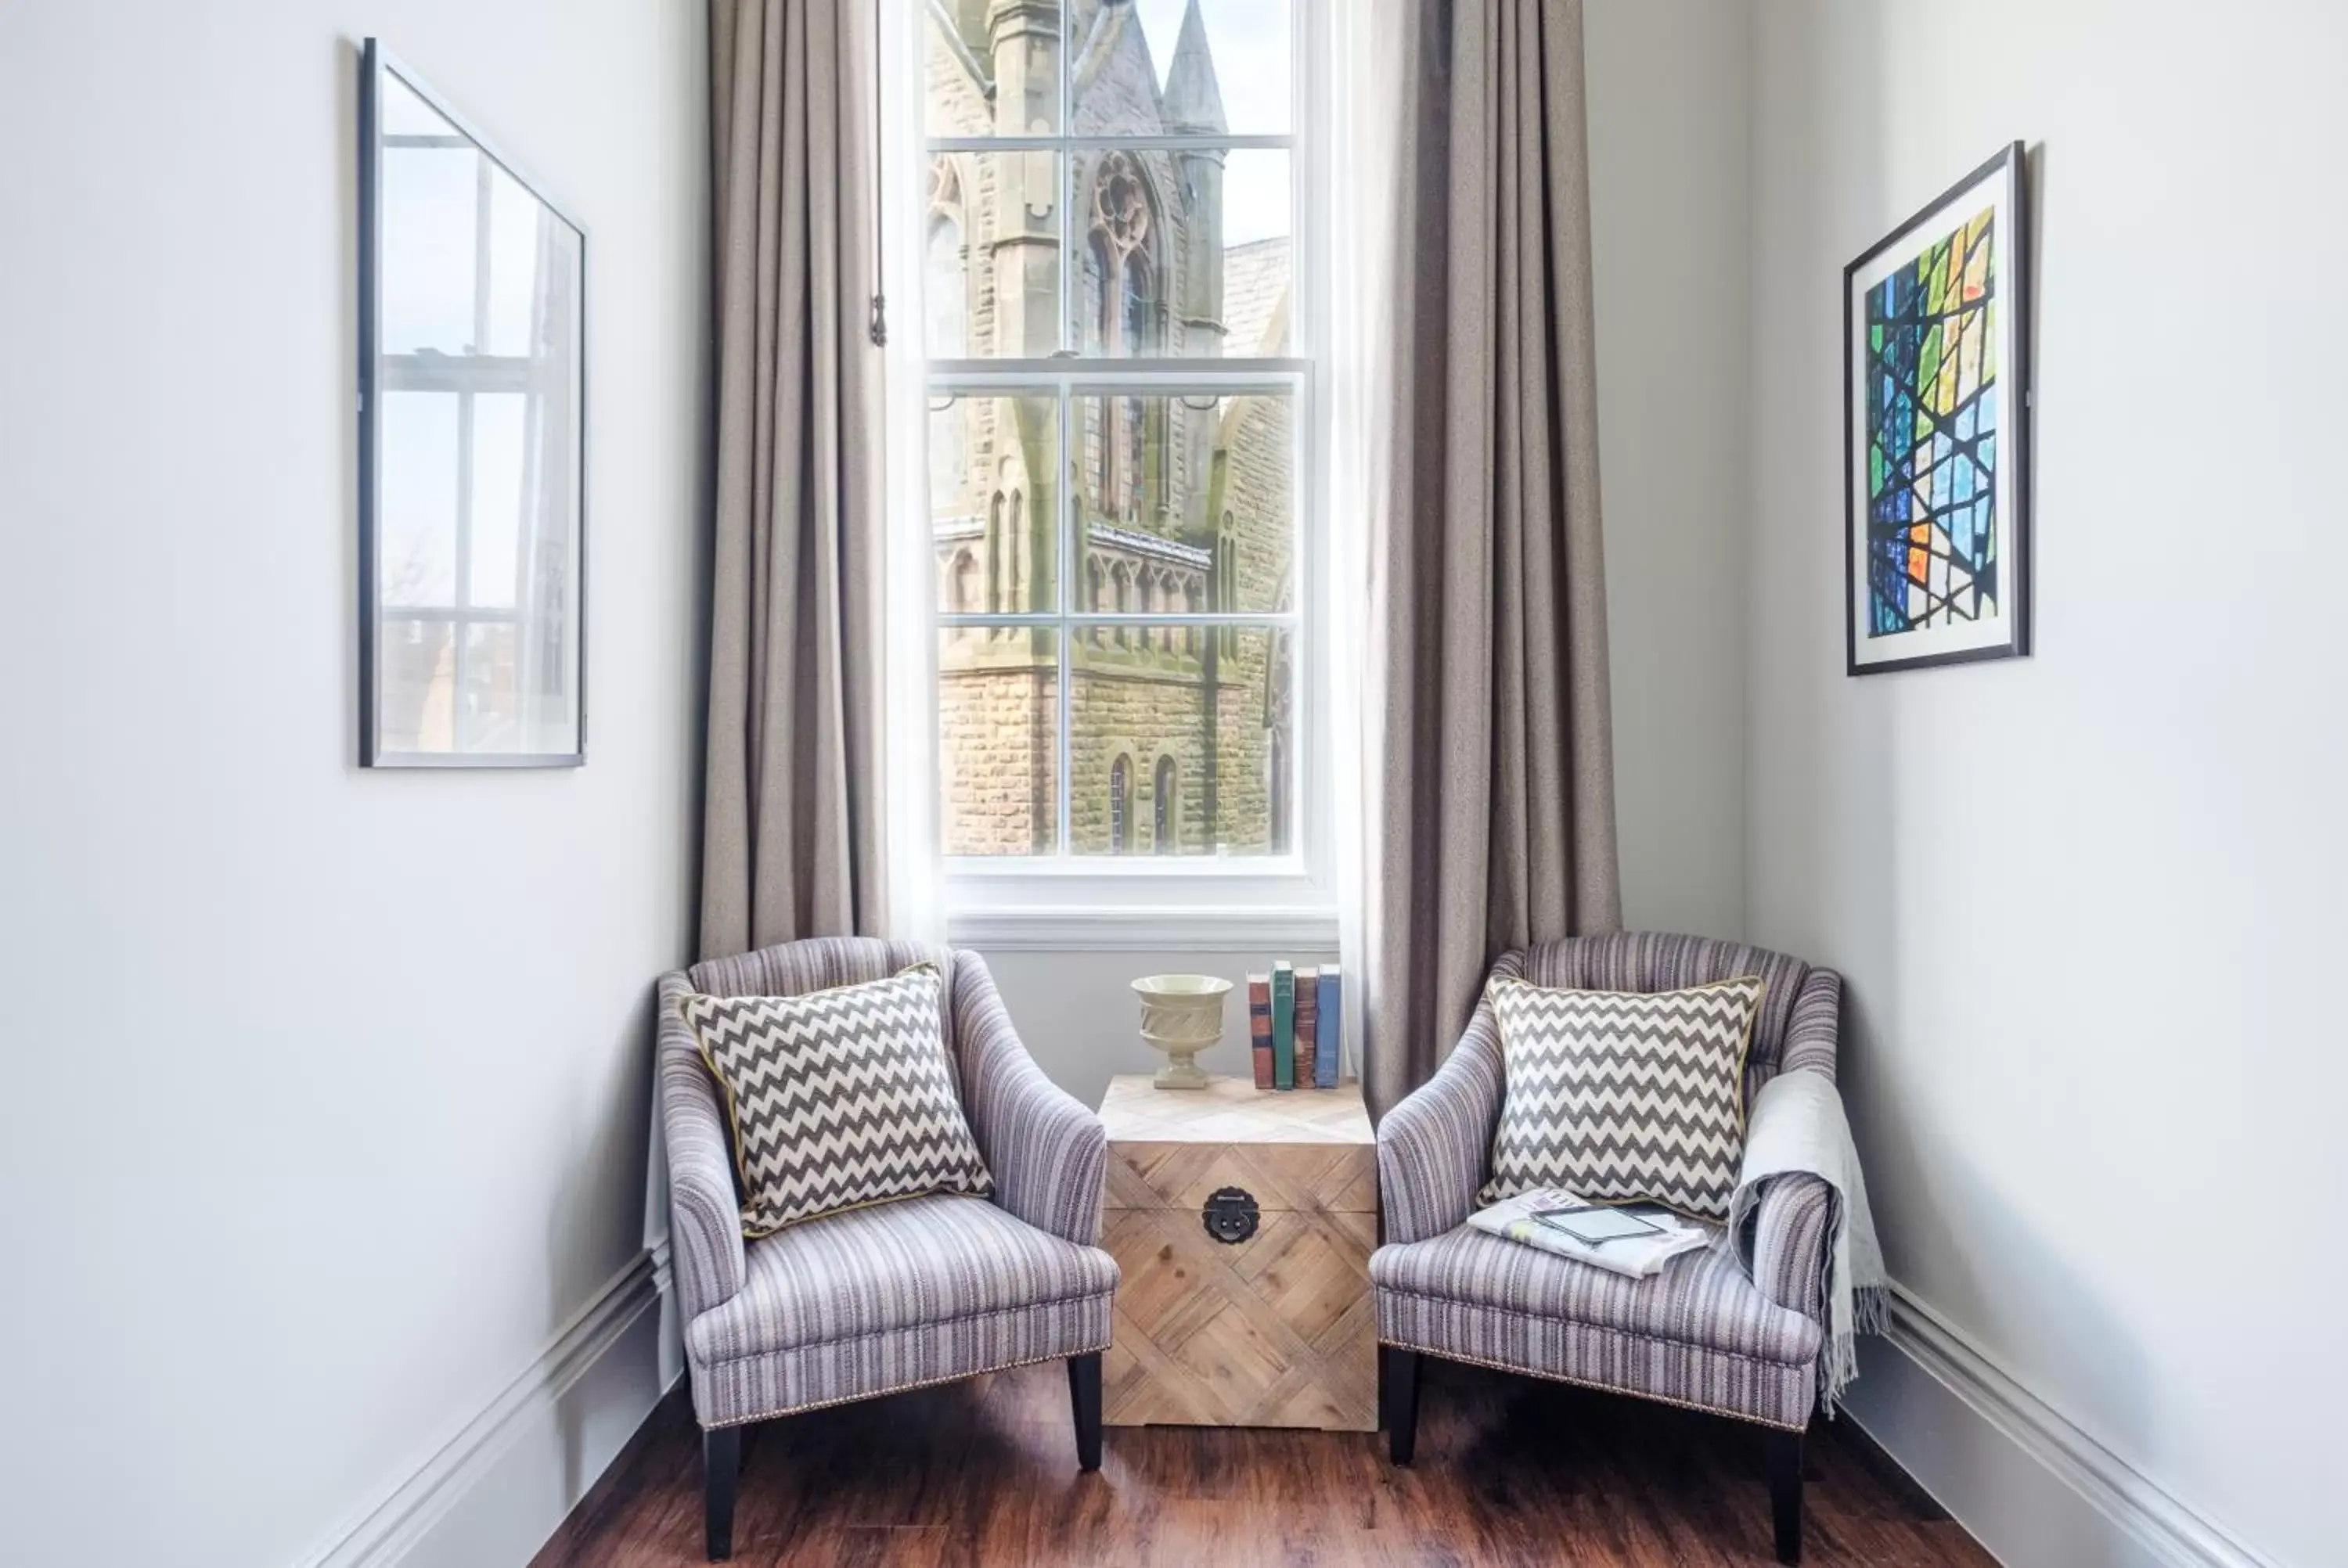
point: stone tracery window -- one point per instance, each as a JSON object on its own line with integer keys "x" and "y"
{"x": 1137, "y": 329}
{"x": 994, "y": 562}
{"x": 1120, "y": 221}
{"x": 1121, "y": 276}
{"x": 1165, "y": 807}
{"x": 1020, "y": 577}
{"x": 1120, "y": 804}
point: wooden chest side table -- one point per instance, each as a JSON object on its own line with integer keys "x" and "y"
{"x": 1243, "y": 1221}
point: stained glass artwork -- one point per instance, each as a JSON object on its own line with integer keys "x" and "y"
{"x": 1932, "y": 426}
{"x": 1936, "y": 354}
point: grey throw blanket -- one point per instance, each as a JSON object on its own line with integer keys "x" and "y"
{"x": 1797, "y": 1125}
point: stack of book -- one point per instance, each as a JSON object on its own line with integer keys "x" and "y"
{"x": 1295, "y": 1026}
{"x": 1632, "y": 1239}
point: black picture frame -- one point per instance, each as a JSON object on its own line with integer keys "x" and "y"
{"x": 2002, "y": 184}
{"x": 378, "y": 65}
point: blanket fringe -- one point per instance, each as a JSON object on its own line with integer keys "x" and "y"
{"x": 1839, "y": 1366}
{"x": 1795, "y": 1125}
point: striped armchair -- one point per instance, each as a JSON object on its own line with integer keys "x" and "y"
{"x": 897, "y": 1296}
{"x": 1700, "y": 1334}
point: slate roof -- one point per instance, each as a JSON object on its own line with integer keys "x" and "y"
{"x": 1255, "y": 299}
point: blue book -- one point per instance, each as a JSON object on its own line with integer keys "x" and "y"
{"x": 1329, "y": 1035}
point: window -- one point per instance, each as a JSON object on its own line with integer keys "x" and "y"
{"x": 1134, "y": 331}
{"x": 1165, "y": 807}
{"x": 1120, "y": 803}
{"x": 1117, "y": 427}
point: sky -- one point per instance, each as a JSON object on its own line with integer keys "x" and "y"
{"x": 1250, "y": 40}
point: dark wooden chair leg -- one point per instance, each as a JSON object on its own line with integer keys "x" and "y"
{"x": 1785, "y": 1462}
{"x": 721, "y": 1466}
{"x": 1402, "y": 1404}
{"x": 1085, "y": 1399}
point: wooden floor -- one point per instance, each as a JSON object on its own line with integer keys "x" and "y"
{"x": 1508, "y": 1470}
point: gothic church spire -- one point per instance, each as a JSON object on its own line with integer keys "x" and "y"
{"x": 1193, "y": 100}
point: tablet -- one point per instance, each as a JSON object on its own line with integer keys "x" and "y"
{"x": 1596, "y": 1227}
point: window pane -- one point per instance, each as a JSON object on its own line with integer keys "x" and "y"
{"x": 1181, "y": 741}
{"x": 993, "y": 69}
{"x": 991, "y": 255}
{"x": 1188, "y": 504}
{"x": 432, "y": 198}
{"x": 429, "y": 196}
{"x": 1219, "y": 66}
{"x": 998, "y": 740}
{"x": 993, "y": 503}
{"x": 491, "y": 716}
{"x": 1179, "y": 252}
{"x": 500, "y": 505}
{"x": 519, "y": 228}
{"x": 418, "y": 661}
{"x": 416, "y": 552}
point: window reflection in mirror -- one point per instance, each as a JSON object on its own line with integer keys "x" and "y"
{"x": 475, "y": 519}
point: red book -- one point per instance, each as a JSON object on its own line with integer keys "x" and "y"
{"x": 1259, "y": 1027}
{"x": 1308, "y": 1023}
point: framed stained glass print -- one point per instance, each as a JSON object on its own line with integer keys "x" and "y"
{"x": 472, "y": 383}
{"x": 1936, "y": 400}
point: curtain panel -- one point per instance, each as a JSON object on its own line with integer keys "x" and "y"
{"x": 793, "y": 839}
{"x": 1489, "y": 810}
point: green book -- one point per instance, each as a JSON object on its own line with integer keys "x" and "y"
{"x": 1283, "y": 1025}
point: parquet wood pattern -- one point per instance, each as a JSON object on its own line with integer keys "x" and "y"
{"x": 1274, "y": 1330}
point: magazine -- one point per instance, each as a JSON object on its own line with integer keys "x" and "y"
{"x": 1633, "y": 1239}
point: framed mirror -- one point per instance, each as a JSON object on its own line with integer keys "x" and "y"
{"x": 472, "y": 382}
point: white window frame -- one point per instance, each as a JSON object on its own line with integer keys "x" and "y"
{"x": 1065, "y": 901}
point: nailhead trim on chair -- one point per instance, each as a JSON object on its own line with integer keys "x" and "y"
{"x": 908, "y": 1388}
{"x": 1608, "y": 1388}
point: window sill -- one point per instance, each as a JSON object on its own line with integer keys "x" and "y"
{"x": 1156, "y": 929}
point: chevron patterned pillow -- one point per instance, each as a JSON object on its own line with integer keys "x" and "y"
{"x": 838, "y": 1098}
{"x": 1623, "y": 1097}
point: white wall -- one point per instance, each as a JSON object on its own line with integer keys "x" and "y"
{"x": 2090, "y": 903}
{"x": 1669, "y": 212}
{"x": 326, "y": 1091}
{"x": 1079, "y": 1019}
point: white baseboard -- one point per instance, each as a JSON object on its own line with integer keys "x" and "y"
{"x": 2025, "y": 1481}
{"x": 492, "y": 1494}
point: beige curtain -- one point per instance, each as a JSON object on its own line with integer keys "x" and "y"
{"x": 792, "y": 836}
{"x": 1488, "y": 772}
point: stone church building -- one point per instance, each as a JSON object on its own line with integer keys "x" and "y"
{"x": 1180, "y": 738}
